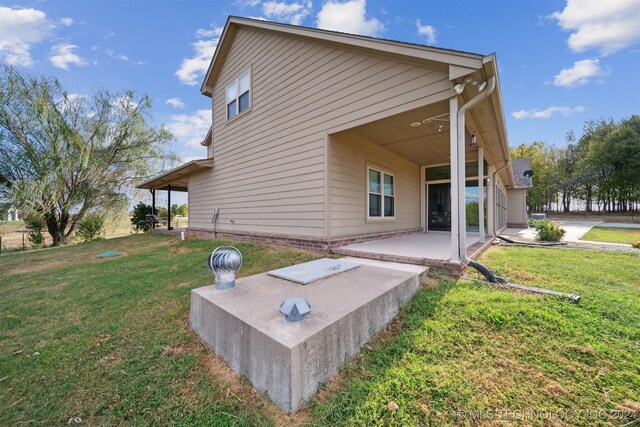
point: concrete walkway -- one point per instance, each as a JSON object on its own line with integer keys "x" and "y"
{"x": 619, "y": 225}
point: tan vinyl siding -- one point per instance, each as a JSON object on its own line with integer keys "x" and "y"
{"x": 517, "y": 203}
{"x": 351, "y": 154}
{"x": 269, "y": 173}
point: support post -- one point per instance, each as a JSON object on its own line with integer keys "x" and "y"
{"x": 169, "y": 208}
{"x": 481, "y": 192}
{"x": 453, "y": 151}
{"x": 153, "y": 206}
{"x": 491, "y": 203}
{"x": 461, "y": 181}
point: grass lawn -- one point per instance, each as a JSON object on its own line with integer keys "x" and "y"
{"x": 612, "y": 235}
{"x": 115, "y": 347}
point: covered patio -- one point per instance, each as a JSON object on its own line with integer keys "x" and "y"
{"x": 449, "y": 173}
{"x": 176, "y": 179}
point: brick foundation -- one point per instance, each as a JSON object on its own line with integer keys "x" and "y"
{"x": 302, "y": 242}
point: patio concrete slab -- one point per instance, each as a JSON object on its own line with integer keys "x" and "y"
{"x": 286, "y": 360}
{"x": 432, "y": 245}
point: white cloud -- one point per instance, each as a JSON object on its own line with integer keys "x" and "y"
{"x": 192, "y": 68}
{"x": 348, "y": 17}
{"x": 580, "y": 74}
{"x": 426, "y": 30}
{"x": 63, "y": 55}
{"x": 111, "y": 54}
{"x": 606, "y": 26}
{"x": 293, "y": 13}
{"x": 174, "y": 102}
{"x": 67, "y": 22}
{"x": 547, "y": 113}
{"x": 245, "y": 3}
{"x": 190, "y": 129}
{"x": 19, "y": 30}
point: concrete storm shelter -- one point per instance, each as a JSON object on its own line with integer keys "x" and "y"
{"x": 322, "y": 140}
{"x": 374, "y": 148}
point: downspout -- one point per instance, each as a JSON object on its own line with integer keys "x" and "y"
{"x": 462, "y": 213}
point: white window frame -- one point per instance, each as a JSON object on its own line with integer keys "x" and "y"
{"x": 382, "y": 173}
{"x": 238, "y": 95}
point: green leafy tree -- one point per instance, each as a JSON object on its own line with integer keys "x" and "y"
{"x": 140, "y": 219}
{"x": 543, "y": 190}
{"x": 35, "y": 224}
{"x": 174, "y": 210}
{"x": 91, "y": 227}
{"x": 162, "y": 212}
{"x": 64, "y": 155}
{"x": 183, "y": 210}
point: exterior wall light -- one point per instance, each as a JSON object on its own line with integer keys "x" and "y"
{"x": 223, "y": 262}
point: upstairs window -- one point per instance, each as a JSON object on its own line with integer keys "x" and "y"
{"x": 381, "y": 194}
{"x": 238, "y": 96}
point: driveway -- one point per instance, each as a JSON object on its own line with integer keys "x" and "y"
{"x": 574, "y": 230}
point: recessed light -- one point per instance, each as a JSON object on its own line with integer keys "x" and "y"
{"x": 415, "y": 124}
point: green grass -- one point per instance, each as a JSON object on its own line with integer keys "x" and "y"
{"x": 113, "y": 336}
{"x": 115, "y": 346}
{"x": 469, "y": 347}
{"x": 612, "y": 235}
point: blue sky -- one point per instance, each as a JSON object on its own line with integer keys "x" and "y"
{"x": 561, "y": 63}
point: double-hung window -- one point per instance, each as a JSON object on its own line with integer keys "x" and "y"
{"x": 381, "y": 194}
{"x": 238, "y": 96}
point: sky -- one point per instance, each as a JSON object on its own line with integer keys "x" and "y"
{"x": 561, "y": 63}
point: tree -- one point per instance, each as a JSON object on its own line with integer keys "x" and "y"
{"x": 174, "y": 209}
{"x": 183, "y": 210}
{"x": 141, "y": 218}
{"x": 64, "y": 155}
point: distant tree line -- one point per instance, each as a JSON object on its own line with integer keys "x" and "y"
{"x": 598, "y": 172}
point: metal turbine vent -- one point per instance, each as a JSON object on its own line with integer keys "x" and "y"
{"x": 223, "y": 262}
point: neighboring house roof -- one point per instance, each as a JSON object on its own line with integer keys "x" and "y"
{"x": 518, "y": 167}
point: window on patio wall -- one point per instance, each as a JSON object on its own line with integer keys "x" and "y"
{"x": 381, "y": 194}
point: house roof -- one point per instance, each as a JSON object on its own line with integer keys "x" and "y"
{"x": 456, "y": 63}
{"x": 467, "y": 61}
{"x": 207, "y": 139}
{"x": 177, "y": 178}
{"x": 518, "y": 167}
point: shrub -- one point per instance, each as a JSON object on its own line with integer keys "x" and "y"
{"x": 35, "y": 224}
{"x": 547, "y": 231}
{"x": 140, "y": 218}
{"x": 91, "y": 228}
{"x": 636, "y": 244}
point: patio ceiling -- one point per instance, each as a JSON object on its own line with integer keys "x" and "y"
{"x": 428, "y": 143}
